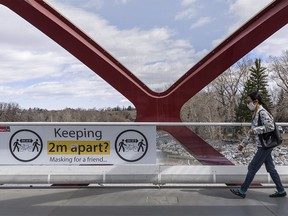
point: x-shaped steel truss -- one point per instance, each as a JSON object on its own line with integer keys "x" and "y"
{"x": 152, "y": 106}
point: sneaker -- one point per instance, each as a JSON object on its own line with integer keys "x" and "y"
{"x": 278, "y": 194}
{"x": 238, "y": 193}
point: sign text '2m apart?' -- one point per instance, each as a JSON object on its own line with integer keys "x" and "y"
{"x": 78, "y": 144}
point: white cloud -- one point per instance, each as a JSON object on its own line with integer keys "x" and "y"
{"x": 240, "y": 11}
{"x": 201, "y": 22}
{"x": 122, "y": 1}
{"x": 21, "y": 66}
{"x": 84, "y": 88}
{"x": 38, "y": 70}
{"x": 186, "y": 14}
{"x": 95, "y": 4}
{"x": 274, "y": 45}
{"x": 190, "y": 10}
{"x": 243, "y": 10}
{"x": 188, "y": 2}
{"x": 135, "y": 47}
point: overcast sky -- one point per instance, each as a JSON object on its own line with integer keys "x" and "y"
{"x": 158, "y": 40}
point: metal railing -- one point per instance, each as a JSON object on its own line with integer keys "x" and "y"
{"x": 122, "y": 174}
{"x": 154, "y": 174}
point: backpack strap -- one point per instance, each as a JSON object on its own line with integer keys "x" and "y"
{"x": 260, "y": 135}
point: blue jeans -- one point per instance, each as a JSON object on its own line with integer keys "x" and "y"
{"x": 262, "y": 156}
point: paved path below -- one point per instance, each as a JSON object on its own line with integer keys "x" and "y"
{"x": 134, "y": 201}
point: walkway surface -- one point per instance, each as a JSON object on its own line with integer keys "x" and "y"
{"x": 136, "y": 200}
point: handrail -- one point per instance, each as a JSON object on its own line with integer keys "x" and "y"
{"x": 227, "y": 124}
{"x": 124, "y": 174}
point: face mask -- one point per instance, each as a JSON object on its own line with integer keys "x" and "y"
{"x": 251, "y": 106}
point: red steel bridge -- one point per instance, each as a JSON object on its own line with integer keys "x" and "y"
{"x": 152, "y": 106}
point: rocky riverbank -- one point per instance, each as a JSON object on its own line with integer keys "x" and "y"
{"x": 170, "y": 152}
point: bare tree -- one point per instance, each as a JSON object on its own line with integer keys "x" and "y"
{"x": 202, "y": 108}
{"x": 228, "y": 88}
{"x": 9, "y": 112}
{"x": 217, "y": 102}
{"x": 279, "y": 70}
{"x": 281, "y": 111}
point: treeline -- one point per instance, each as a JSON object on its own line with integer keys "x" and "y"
{"x": 223, "y": 100}
{"x": 11, "y": 112}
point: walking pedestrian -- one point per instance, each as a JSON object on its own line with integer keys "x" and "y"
{"x": 263, "y": 155}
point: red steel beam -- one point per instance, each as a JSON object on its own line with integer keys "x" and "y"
{"x": 153, "y": 106}
{"x": 247, "y": 37}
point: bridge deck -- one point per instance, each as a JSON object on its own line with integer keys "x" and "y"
{"x": 137, "y": 200}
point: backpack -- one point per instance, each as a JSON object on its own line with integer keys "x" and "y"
{"x": 270, "y": 139}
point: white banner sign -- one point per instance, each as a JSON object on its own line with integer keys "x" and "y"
{"x": 77, "y": 144}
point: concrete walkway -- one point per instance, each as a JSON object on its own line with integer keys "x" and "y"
{"x": 134, "y": 201}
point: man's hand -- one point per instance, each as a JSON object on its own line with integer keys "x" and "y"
{"x": 251, "y": 132}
